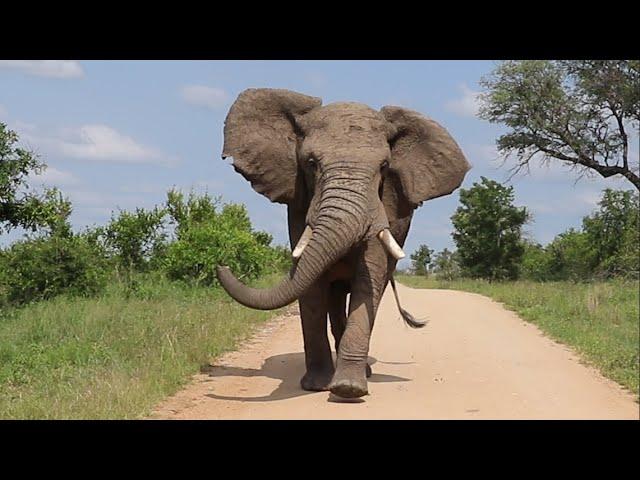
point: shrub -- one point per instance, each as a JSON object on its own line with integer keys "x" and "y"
{"x": 135, "y": 238}
{"x": 40, "y": 268}
{"x": 536, "y": 263}
{"x": 572, "y": 256}
{"x": 206, "y": 238}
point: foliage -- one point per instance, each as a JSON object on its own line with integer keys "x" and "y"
{"x": 579, "y": 112}
{"x": 207, "y": 237}
{"x": 40, "y": 268}
{"x": 607, "y": 246}
{"x": 488, "y": 231}
{"x": 18, "y": 207}
{"x": 135, "y": 238}
{"x": 445, "y": 265}
{"x": 571, "y": 256}
{"x": 613, "y": 233}
{"x": 421, "y": 259}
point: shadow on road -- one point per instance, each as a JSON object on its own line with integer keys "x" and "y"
{"x": 288, "y": 368}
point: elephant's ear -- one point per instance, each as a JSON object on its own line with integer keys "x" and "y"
{"x": 261, "y": 136}
{"x": 425, "y": 158}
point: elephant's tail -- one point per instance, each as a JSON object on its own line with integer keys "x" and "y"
{"x": 406, "y": 316}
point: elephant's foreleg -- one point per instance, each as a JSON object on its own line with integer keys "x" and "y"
{"x": 350, "y": 380}
{"x": 317, "y": 351}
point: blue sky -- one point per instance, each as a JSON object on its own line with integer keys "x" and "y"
{"x": 119, "y": 134}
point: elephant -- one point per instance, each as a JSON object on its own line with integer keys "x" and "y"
{"x": 351, "y": 178}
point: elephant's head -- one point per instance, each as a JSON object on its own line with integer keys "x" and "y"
{"x": 351, "y": 168}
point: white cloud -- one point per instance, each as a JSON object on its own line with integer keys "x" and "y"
{"x": 58, "y": 178}
{"x": 46, "y": 68}
{"x": 203, "y": 96}
{"x": 467, "y": 105}
{"x": 99, "y": 143}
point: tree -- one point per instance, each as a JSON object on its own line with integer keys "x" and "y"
{"x": 571, "y": 256}
{"x": 420, "y": 260}
{"x": 445, "y": 265}
{"x": 18, "y": 207}
{"x": 612, "y": 232}
{"x": 488, "y": 231}
{"x": 579, "y": 112}
{"x": 135, "y": 237}
{"x": 207, "y": 236}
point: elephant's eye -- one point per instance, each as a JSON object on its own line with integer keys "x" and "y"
{"x": 312, "y": 162}
{"x": 385, "y": 165}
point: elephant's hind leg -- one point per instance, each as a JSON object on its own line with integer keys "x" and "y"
{"x": 317, "y": 350}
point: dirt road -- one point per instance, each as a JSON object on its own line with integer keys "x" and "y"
{"x": 474, "y": 360}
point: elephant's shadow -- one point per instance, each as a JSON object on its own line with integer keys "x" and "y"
{"x": 288, "y": 368}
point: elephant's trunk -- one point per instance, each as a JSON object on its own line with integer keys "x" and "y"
{"x": 340, "y": 223}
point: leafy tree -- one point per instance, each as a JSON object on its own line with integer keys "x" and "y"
{"x": 207, "y": 238}
{"x": 39, "y": 268}
{"x": 571, "y": 256}
{"x": 421, "y": 259}
{"x": 579, "y": 112}
{"x": 135, "y": 237}
{"x": 194, "y": 210}
{"x": 18, "y": 207}
{"x": 536, "y": 262}
{"x": 612, "y": 232}
{"x": 488, "y": 231}
{"x": 445, "y": 265}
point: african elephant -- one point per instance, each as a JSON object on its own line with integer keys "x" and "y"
{"x": 351, "y": 178}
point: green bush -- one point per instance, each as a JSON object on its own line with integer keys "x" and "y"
{"x": 207, "y": 238}
{"x": 572, "y": 256}
{"x": 136, "y": 239}
{"x": 40, "y": 268}
{"x": 536, "y": 263}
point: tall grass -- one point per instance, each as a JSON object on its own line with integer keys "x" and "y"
{"x": 600, "y": 320}
{"x": 116, "y": 355}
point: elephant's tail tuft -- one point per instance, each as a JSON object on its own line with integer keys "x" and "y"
{"x": 406, "y": 316}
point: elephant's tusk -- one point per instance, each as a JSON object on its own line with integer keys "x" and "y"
{"x": 387, "y": 240}
{"x": 303, "y": 242}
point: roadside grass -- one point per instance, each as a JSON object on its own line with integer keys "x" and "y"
{"x": 117, "y": 355}
{"x": 599, "y": 320}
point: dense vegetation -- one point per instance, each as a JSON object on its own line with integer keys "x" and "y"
{"x": 107, "y": 321}
{"x": 183, "y": 240}
{"x": 487, "y": 231}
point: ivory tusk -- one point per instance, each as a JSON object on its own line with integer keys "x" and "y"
{"x": 386, "y": 238}
{"x": 303, "y": 242}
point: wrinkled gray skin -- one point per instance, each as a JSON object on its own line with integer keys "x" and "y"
{"x": 348, "y": 171}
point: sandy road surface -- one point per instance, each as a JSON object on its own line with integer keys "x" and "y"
{"x": 474, "y": 360}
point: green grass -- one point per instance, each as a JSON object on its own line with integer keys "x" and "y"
{"x": 600, "y": 321}
{"x": 117, "y": 355}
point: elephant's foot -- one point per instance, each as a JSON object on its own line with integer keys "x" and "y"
{"x": 347, "y": 388}
{"x": 349, "y": 384}
{"x": 316, "y": 381}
